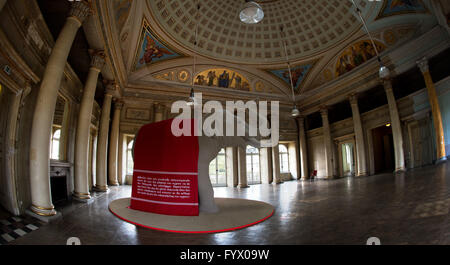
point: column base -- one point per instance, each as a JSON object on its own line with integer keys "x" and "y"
{"x": 44, "y": 218}
{"x": 399, "y": 171}
{"x": 441, "y": 160}
{"x": 42, "y": 211}
{"x": 115, "y": 184}
{"x": 101, "y": 188}
{"x": 362, "y": 175}
{"x": 81, "y": 197}
{"x": 243, "y": 186}
{"x": 277, "y": 183}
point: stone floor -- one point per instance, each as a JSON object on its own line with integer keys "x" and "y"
{"x": 412, "y": 208}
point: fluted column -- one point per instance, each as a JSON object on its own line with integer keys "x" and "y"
{"x": 396, "y": 127}
{"x": 327, "y": 143}
{"x": 81, "y": 183}
{"x": 276, "y": 165}
{"x": 303, "y": 149}
{"x": 102, "y": 144}
{"x": 242, "y": 167}
{"x": 44, "y": 111}
{"x": 359, "y": 137}
{"x": 435, "y": 109}
{"x": 114, "y": 144}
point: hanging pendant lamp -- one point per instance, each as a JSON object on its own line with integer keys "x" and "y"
{"x": 384, "y": 72}
{"x": 295, "y": 112}
{"x": 191, "y": 99}
{"x": 251, "y": 13}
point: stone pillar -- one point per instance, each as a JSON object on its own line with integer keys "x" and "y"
{"x": 435, "y": 110}
{"x": 303, "y": 149}
{"x": 81, "y": 182}
{"x": 328, "y": 144}
{"x": 159, "y": 112}
{"x": 266, "y": 165}
{"x": 396, "y": 127}
{"x": 242, "y": 167}
{"x": 232, "y": 166}
{"x": 45, "y": 107}
{"x": 114, "y": 144}
{"x": 276, "y": 165}
{"x": 102, "y": 144}
{"x": 359, "y": 138}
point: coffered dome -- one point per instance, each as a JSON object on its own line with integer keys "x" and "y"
{"x": 311, "y": 27}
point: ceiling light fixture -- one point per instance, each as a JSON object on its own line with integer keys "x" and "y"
{"x": 191, "y": 99}
{"x": 384, "y": 72}
{"x": 295, "y": 112}
{"x": 251, "y": 13}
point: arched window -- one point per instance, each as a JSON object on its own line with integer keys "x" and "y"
{"x": 253, "y": 172}
{"x": 56, "y": 138}
{"x": 130, "y": 162}
{"x": 218, "y": 171}
{"x": 284, "y": 159}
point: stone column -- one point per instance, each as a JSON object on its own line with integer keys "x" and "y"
{"x": 435, "y": 110}
{"x": 276, "y": 165}
{"x": 45, "y": 107}
{"x": 359, "y": 137}
{"x": 242, "y": 167}
{"x": 396, "y": 127}
{"x": 303, "y": 149}
{"x": 159, "y": 112}
{"x": 102, "y": 144}
{"x": 266, "y": 165}
{"x": 232, "y": 166}
{"x": 327, "y": 143}
{"x": 81, "y": 183}
{"x": 114, "y": 144}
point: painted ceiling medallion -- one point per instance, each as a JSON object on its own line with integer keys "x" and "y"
{"x": 152, "y": 50}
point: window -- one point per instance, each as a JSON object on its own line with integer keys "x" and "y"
{"x": 253, "y": 174}
{"x": 217, "y": 170}
{"x": 284, "y": 159}
{"x": 55, "y": 143}
{"x": 130, "y": 162}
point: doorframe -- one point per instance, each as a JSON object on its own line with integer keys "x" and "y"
{"x": 349, "y": 138}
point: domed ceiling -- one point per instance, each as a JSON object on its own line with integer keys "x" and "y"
{"x": 325, "y": 41}
{"x": 310, "y": 27}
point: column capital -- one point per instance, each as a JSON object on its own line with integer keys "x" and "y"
{"x": 353, "y": 98}
{"x": 80, "y": 10}
{"x": 111, "y": 86}
{"x": 98, "y": 59}
{"x": 323, "y": 110}
{"x": 423, "y": 65}
{"x": 159, "y": 107}
{"x": 118, "y": 104}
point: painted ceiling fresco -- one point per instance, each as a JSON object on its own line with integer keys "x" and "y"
{"x": 220, "y": 77}
{"x": 398, "y": 7}
{"x": 299, "y": 74}
{"x": 152, "y": 50}
{"x": 357, "y": 54}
